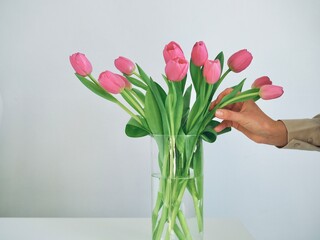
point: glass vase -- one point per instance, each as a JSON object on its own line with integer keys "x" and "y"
{"x": 177, "y": 187}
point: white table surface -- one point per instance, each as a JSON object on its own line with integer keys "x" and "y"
{"x": 106, "y": 229}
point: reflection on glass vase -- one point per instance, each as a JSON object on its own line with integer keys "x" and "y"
{"x": 177, "y": 187}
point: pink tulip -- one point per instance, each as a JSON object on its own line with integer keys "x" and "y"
{"x": 261, "y": 81}
{"x": 111, "y": 82}
{"x": 199, "y": 54}
{"x": 80, "y": 64}
{"x": 240, "y": 60}
{"x": 127, "y": 83}
{"x": 176, "y": 69}
{"x": 125, "y": 65}
{"x": 268, "y": 92}
{"x": 212, "y": 71}
{"x": 171, "y": 51}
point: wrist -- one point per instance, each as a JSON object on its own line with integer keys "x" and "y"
{"x": 278, "y": 134}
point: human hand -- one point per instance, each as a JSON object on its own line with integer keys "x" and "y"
{"x": 249, "y": 119}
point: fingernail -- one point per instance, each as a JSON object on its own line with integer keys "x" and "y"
{"x": 219, "y": 113}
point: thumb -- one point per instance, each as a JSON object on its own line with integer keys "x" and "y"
{"x": 228, "y": 115}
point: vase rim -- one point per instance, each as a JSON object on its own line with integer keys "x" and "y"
{"x": 191, "y": 176}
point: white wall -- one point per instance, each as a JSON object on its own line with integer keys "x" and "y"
{"x": 63, "y": 151}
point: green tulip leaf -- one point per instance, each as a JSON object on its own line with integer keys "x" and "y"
{"x": 194, "y": 114}
{"x": 178, "y": 108}
{"x": 220, "y": 56}
{"x": 252, "y": 94}
{"x": 137, "y": 82}
{"x": 162, "y": 93}
{"x": 209, "y": 135}
{"x": 143, "y": 75}
{"x": 157, "y": 96}
{"x": 197, "y": 164}
{"x": 186, "y": 99}
{"x": 174, "y": 106}
{"x": 180, "y": 141}
{"x": 235, "y": 91}
{"x": 135, "y": 130}
{"x": 195, "y": 76}
{"x": 256, "y": 98}
{"x": 141, "y": 96}
{"x": 182, "y": 83}
{"x": 152, "y": 113}
{"x": 227, "y": 129}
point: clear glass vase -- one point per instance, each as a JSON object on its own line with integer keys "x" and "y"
{"x": 177, "y": 188}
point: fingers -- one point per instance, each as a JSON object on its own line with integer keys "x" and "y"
{"x": 213, "y": 104}
{"x": 230, "y": 119}
{"x": 229, "y": 115}
{"x": 219, "y": 98}
{"x": 223, "y": 125}
{"x": 237, "y": 107}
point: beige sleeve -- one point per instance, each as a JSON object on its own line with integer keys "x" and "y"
{"x": 303, "y": 134}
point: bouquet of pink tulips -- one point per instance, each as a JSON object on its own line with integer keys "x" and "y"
{"x": 177, "y": 126}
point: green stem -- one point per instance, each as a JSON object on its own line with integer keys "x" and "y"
{"x": 137, "y": 74}
{"x": 198, "y": 82}
{"x": 177, "y": 204}
{"x": 178, "y": 232}
{"x": 184, "y": 225}
{"x": 156, "y": 210}
{"x": 173, "y": 190}
{"x": 223, "y": 77}
{"x": 208, "y": 96}
{"x": 128, "y": 111}
{"x": 116, "y": 101}
{"x": 172, "y": 157}
{"x": 196, "y": 200}
{"x": 137, "y": 97}
{"x": 133, "y": 102}
{"x": 238, "y": 98}
{"x": 217, "y": 84}
{"x": 158, "y": 231}
{"x": 94, "y": 80}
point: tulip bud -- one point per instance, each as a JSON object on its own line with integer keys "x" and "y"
{"x": 199, "y": 54}
{"x": 125, "y": 65}
{"x": 176, "y": 69}
{"x": 171, "y": 51}
{"x": 212, "y": 71}
{"x": 111, "y": 82}
{"x": 261, "y": 81}
{"x": 80, "y": 64}
{"x": 268, "y": 92}
{"x": 240, "y": 60}
{"x": 127, "y": 83}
